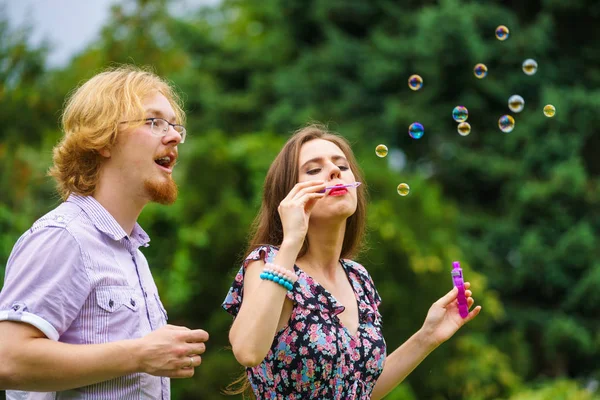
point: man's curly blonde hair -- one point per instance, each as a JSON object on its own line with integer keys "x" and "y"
{"x": 92, "y": 118}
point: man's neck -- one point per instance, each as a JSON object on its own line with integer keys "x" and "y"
{"x": 124, "y": 206}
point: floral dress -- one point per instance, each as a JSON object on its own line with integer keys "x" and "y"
{"x": 315, "y": 356}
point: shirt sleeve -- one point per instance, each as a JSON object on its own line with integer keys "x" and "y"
{"x": 233, "y": 300}
{"x": 45, "y": 283}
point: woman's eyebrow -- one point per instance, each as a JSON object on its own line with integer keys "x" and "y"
{"x": 320, "y": 159}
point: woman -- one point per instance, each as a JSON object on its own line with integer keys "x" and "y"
{"x": 314, "y": 331}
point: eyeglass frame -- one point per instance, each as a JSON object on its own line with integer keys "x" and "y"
{"x": 183, "y": 132}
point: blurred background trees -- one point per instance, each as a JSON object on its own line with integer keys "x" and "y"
{"x": 520, "y": 210}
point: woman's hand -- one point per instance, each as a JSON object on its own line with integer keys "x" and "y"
{"x": 295, "y": 209}
{"x": 443, "y": 318}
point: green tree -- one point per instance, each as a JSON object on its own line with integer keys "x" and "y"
{"x": 519, "y": 209}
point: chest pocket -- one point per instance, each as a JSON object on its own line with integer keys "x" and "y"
{"x": 118, "y": 316}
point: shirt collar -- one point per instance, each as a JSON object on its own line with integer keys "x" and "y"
{"x": 105, "y": 222}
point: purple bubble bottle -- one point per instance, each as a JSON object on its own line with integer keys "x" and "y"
{"x": 458, "y": 281}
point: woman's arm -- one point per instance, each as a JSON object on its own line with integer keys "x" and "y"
{"x": 255, "y": 325}
{"x": 442, "y": 321}
{"x": 253, "y": 329}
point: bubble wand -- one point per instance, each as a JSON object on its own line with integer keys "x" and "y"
{"x": 355, "y": 184}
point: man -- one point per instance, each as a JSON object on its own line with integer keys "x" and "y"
{"x": 80, "y": 315}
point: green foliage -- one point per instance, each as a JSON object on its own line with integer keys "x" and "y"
{"x": 561, "y": 389}
{"x": 519, "y": 210}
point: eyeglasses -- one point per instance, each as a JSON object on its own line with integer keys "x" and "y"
{"x": 160, "y": 127}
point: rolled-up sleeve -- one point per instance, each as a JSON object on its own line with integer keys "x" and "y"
{"x": 46, "y": 283}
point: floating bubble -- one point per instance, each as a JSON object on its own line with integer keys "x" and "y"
{"x": 502, "y": 33}
{"x": 516, "y": 103}
{"x": 403, "y": 189}
{"x": 464, "y": 128}
{"x": 530, "y": 66}
{"x": 549, "y": 110}
{"x": 506, "y": 123}
{"x": 381, "y": 150}
{"x": 460, "y": 113}
{"x": 480, "y": 71}
{"x": 416, "y": 130}
{"x": 415, "y": 82}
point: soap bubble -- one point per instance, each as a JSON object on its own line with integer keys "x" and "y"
{"x": 415, "y": 82}
{"x": 381, "y": 150}
{"x": 516, "y": 103}
{"x": 403, "y": 189}
{"x": 506, "y": 123}
{"x": 480, "y": 71}
{"x": 530, "y": 66}
{"x": 460, "y": 113}
{"x": 464, "y": 128}
{"x": 549, "y": 110}
{"x": 502, "y": 32}
{"x": 416, "y": 130}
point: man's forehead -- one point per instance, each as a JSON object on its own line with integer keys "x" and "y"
{"x": 157, "y": 105}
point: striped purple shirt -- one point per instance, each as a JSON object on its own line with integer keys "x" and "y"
{"x": 80, "y": 279}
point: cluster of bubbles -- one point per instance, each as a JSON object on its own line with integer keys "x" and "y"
{"x": 516, "y": 103}
{"x": 460, "y": 114}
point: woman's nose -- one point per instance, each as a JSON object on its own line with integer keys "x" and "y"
{"x": 335, "y": 172}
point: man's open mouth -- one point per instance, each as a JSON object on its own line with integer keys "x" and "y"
{"x": 166, "y": 161}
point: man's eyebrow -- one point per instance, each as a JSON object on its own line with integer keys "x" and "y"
{"x": 159, "y": 114}
{"x": 319, "y": 159}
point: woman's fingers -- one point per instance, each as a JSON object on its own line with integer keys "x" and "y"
{"x": 315, "y": 188}
{"x": 303, "y": 185}
{"x": 448, "y": 298}
{"x": 473, "y": 314}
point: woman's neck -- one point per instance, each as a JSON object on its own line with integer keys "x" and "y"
{"x": 324, "y": 250}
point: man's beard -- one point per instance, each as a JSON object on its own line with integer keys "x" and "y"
{"x": 161, "y": 192}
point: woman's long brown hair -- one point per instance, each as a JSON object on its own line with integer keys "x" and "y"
{"x": 281, "y": 178}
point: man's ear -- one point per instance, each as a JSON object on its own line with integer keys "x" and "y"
{"x": 104, "y": 152}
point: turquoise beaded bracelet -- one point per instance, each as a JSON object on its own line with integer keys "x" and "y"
{"x": 279, "y": 275}
{"x": 277, "y": 279}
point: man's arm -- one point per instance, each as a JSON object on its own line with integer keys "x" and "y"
{"x": 32, "y": 362}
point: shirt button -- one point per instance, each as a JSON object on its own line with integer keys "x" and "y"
{"x": 133, "y": 302}
{"x": 60, "y": 219}
{"x": 111, "y": 303}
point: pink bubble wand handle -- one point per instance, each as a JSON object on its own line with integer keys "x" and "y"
{"x": 355, "y": 184}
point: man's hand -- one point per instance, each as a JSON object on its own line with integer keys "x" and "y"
{"x": 172, "y": 351}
